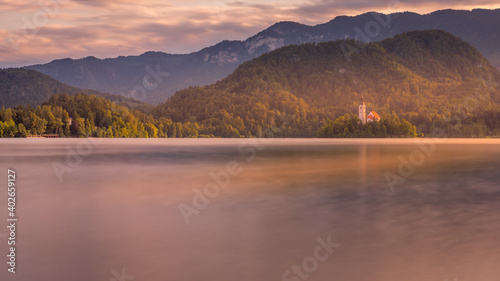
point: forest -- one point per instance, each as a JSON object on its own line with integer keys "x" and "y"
{"x": 418, "y": 82}
{"x": 348, "y": 126}
{"x": 430, "y": 78}
{"x": 83, "y": 115}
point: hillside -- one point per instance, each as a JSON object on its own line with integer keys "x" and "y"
{"x": 425, "y": 77}
{"x": 28, "y": 87}
{"x": 123, "y": 74}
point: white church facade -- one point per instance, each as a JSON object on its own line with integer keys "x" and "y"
{"x": 372, "y": 116}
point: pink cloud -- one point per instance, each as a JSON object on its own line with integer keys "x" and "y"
{"x": 109, "y": 28}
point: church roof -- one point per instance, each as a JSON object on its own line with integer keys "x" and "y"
{"x": 374, "y": 114}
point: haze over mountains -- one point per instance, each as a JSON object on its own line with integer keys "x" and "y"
{"x": 154, "y": 76}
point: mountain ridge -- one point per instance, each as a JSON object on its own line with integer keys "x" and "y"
{"x": 419, "y": 82}
{"x": 123, "y": 74}
{"x": 20, "y": 86}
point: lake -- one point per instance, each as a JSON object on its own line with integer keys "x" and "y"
{"x": 240, "y": 209}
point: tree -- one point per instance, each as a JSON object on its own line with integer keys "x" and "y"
{"x": 21, "y": 131}
{"x": 10, "y": 129}
{"x": 37, "y": 125}
{"x": 109, "y": 132}
{"x": 78, "y": 127}
{"x": 151, "y": 130}
{"x": 89, "y": 127}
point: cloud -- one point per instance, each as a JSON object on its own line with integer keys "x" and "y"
{"x": 109, "y": 28}
{"x": 17, "y": 6}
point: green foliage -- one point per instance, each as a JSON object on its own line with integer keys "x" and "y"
{"x": 437, "y": 54}
{"x": 21, "y": 131}
{"x": 82, "y": 115}
{"x": 292, "y": 91}
{"x": 9, "y": 129}
{"x": 349, "y": 126}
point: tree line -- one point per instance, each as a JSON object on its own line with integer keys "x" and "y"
{"x": 83, "y": 115}
{"x": 349, "y": 126}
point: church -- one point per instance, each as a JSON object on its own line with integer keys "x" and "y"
{"x": 373, "y": 116}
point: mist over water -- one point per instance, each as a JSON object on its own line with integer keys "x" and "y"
{"x": 119, "y": 208}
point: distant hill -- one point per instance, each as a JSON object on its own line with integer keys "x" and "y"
{"x": 425, "y": 77}
{"x": 122, "y": 75}
{"x": 29, "y": 87}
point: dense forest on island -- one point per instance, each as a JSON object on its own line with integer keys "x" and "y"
{"x": 348, "y": 126}
{"x": 419, "y": 82}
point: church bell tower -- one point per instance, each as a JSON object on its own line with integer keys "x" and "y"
{"x": 362, "y": 111}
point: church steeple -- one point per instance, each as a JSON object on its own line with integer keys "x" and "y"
{"x": 362, "y": 111}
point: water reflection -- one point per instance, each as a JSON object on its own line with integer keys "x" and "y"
{"x": 119, "y": 208}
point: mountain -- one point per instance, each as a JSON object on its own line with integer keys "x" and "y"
{"x": 154, "y": 76}
{"x": 430, "y": 78}
{"x": 419, "y": 82}
{"x": 29, "y": 87}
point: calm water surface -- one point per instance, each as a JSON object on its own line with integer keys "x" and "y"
{"x": 116, "y": 206}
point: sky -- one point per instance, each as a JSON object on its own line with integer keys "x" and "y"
{"x": 39, "y": 31}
